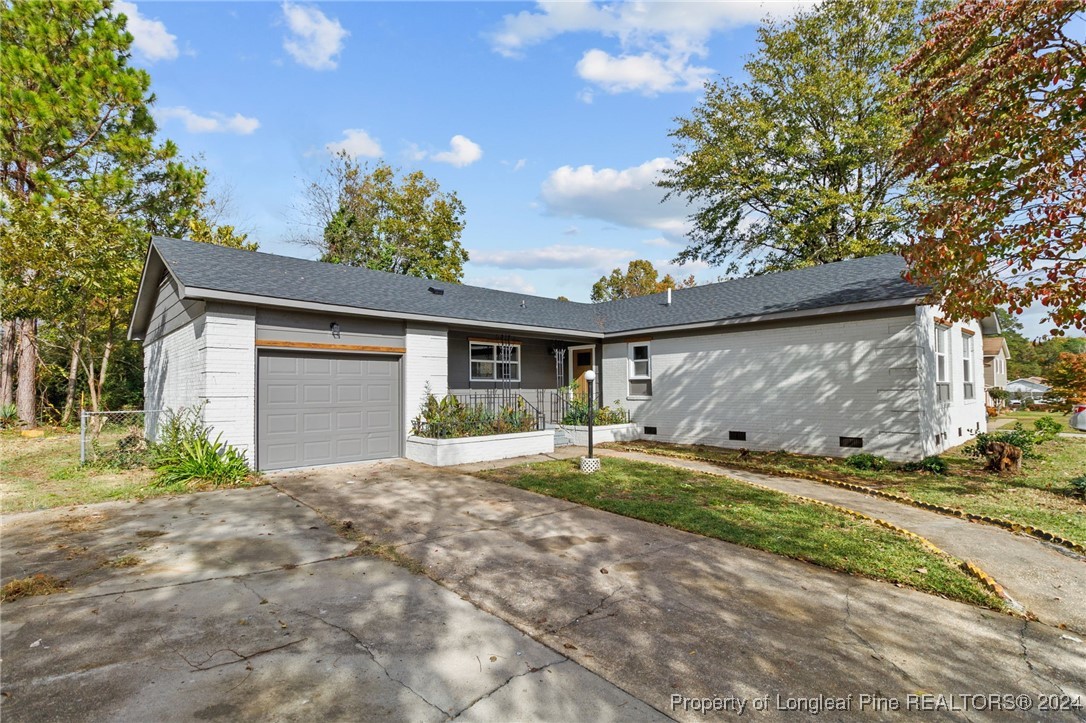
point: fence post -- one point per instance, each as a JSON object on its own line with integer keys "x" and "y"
{"x": 82, "y": 436}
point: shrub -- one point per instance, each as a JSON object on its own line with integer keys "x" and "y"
{"x": 9, "y": 416}
{"x": 578, "y": 414}
{"x": 1046, "y": 428}
{"x": 1017, "y": 436}
{"x": 450, "y": 418}
{"x": 184, "y": 451}
{"x": 933, "y": 464}
{"x": 1078, "y": 486}
{"x": 131, "y": 451}
{"x": 867, "y": 461}
{"x": 204, "y": 459}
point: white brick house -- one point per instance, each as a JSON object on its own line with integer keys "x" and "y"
{"x": 299, "y": 362}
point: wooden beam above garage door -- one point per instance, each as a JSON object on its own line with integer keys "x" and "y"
{"x": 316, "y": 346}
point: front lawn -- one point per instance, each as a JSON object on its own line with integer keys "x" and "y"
{"x": 1040, "y": 496}
{"x": 42, "y": 472}
{"x": 763, "y": 519}
{"x": 1028, "y": 418}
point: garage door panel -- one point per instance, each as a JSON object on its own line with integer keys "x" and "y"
{"x": 282, "y": 394}
{"x": 349, "y": 421}
{"x": 379, "y": 392}
{"x": 379, "y": 445}
{"x": 282, "y": 423}
{"x": 282, "y": 365}
{"x": 317, "y": 422}
{"x": 324, "y": 409}
{"x": 349, "y": 393}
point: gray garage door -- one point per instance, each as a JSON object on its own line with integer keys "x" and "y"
{"x": 326, "y": 408}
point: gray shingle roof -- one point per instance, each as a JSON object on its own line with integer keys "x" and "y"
{"x": 206, "y": 266}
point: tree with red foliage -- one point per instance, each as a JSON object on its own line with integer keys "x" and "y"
{"x": 1068, "y": 377}
{"x": 999, "y": 93}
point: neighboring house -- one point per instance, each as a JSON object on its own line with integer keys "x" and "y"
{"x": 996, "y": 354}
{"x": 302, "y": 363}
{"x": 1028, "y": 388}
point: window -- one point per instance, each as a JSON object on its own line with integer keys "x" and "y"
{"x": 942, "y": 363}
{"x": 967, "y": 365}
{"x": 650, "y": 430}
{"x": 855, "y": 442}
{"x": 640, "y": 371}
{"x": 737, "y": 436}
{"x": 494, "y": 362}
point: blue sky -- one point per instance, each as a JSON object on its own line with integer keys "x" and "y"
{"x": 550, "y": 121}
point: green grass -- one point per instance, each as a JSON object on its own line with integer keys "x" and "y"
{"x": 1039, "y": 496}
{"x": 1028, "y": 418}
{"x": 44, "y": 472}
{"x": 751, "y": 516}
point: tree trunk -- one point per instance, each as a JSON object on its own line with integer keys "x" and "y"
{"x": 7, "y": 362}
{"x": 73, "y": 377}
{"x": 26, "y": 394}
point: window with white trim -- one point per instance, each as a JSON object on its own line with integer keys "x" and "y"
{"x": 640, "y": 375}
{"x": 967, "y": 365}
{"x": 942, "y": 363}
{"x": 492, "y": 362}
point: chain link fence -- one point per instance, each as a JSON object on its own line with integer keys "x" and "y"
{"x": 114, "y": 439}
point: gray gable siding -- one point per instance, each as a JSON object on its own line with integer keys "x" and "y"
{"x": 171, "y": 312}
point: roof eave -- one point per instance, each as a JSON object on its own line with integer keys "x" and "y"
{"x": 273, "y": 301}
{"x": 776, "y": 316}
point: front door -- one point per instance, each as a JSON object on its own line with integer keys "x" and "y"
{"x": 581, "y": 361}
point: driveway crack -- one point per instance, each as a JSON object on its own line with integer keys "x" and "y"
{"x": 362, "y": 644}
{"x": 507, "y": 681}
{"x": 1033, "y": 669}
{"x": 867, "y": 643}
{"x": 590, "y": 612}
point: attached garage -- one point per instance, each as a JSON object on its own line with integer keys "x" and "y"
{"x": 318, "y": 408}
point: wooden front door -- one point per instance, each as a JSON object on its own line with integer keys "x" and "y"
{"x": 579, "y": 364}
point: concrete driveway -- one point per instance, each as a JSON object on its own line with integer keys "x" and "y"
{"x": 675, "y": 618}
{"x": 245, "y": 605}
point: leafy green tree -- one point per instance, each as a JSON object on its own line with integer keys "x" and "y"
{"x": 640, "y": 279}
{"x": 83, "y": 186}
{"x": 795, "y": 166}
{"x": 377, "y": 219}
{"x": 998, "y": 143}
{"x": 69, "y": 98}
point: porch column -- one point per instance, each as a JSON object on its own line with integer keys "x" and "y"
{"x": 426, "y": 360}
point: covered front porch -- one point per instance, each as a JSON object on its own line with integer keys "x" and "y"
{"x": 547, "y": 373}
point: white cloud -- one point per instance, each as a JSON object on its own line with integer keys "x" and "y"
{"x": 558, "y": 256}
{"x": 462, "y": 152}
{"x": 149, "y": 37}
{"x": 506, "y": 282}
{"x": 213, "y": 123}
{"x": 315, "y": 39}
{"x": 645, "y": 73}
{"x": 520, "y": 164}
{"x": 356, "y": 143}
{"x": 586, "y": 96}
{"x": 660, "y": 242}
{"x": 658, "y": 39}
{"x": 414, "y": 153}
{"x": 627, "y": 197}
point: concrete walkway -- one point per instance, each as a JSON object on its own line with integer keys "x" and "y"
{"x": 1047, "y": 580}
{"x": 672, "y": 617}
{"x": 245, "y": 605}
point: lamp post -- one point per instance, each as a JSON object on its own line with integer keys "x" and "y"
{"x": 590, "y": 464}
{"x": 590, "y": 377}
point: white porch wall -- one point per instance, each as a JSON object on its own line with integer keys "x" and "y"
{"x": 229, "y": 353}
{"x": 426, "y": 360}
{"x": 797, "y": 387}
